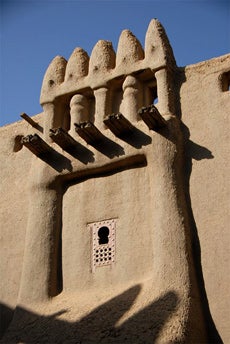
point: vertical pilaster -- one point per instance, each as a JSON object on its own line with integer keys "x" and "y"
{"x": 166, "y": 102}
{"x": 79, "y": 111}
{"x": 39, "y": 279}
{"x": 102, "y": 105}
{"x": 131, "y": 98}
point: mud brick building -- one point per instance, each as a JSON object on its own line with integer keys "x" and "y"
{"x": 115, "y": 200}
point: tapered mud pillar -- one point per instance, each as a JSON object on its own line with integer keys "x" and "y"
{"x": 102, "y": 61}
{"x": 166, "y": 101}
{"x": 53, "y": 110}
{"x": 173, "y": 261}
{"x": 79, "y": 112}
{"x": 102, "y": 105}
{"x": 39, "y": 279}
{"x": 131, "y": 98}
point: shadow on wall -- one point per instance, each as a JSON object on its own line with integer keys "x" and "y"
{"x": 198, "y": 152}
{"x": 194, "y": 151}
{"x": 97, "y": 327}
{"x": 6, "y": 315}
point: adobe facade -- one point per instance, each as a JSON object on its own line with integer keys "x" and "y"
{"x": 115, "y": 201}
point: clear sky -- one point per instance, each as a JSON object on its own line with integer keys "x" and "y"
{"x": 33, "y": 32}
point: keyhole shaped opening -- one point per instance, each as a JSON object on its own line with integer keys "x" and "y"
{"x": 103, "y": 235}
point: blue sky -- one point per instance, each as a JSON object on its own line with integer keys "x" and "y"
{"x": 33, "y": 32}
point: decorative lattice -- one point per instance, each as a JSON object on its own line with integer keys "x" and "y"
{"x": 103, "y": 242}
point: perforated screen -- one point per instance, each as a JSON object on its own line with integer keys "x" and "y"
{"x": 103, "y": 242}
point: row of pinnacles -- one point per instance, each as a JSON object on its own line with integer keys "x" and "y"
{"x": 88, "y": 95}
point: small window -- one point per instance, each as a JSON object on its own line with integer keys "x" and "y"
{"x": 103, "y": 243}
{"x": 225, "y": 82}
{"x": 151, "y": 96}
{"x": 155, "y": 96}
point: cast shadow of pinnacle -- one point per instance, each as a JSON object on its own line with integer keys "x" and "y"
{"x": 198, "y": 152}
{"x": 99, "y": 326}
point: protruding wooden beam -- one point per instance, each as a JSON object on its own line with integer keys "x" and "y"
{"x": 36, "y": 145}
{"x": 89, "y": 132}
{"x": 62, "y": 138}
{"x": 118, "y": 124}
{"x": 29, "y": 120}
{"x": 152, "y": 117}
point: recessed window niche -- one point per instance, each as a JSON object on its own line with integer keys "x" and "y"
{"x": 225, "y": 81}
